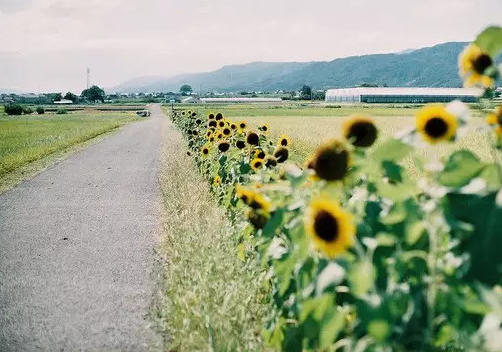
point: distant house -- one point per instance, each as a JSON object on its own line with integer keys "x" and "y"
{"x": 63, "y": 102}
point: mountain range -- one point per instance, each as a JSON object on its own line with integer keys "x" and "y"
{"x": 434, "y": 66}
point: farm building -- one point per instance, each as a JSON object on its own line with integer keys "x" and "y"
{"x": 240, "y": 100}
{"x": 402, "y": 95}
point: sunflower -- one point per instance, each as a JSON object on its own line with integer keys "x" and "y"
{"x": 252, "y": 138}
{"x": 331, "y": 161}
{"x": 194, "y": 114}
{"x": 253, "y": 199}
{"x": 209, "y": 133}
{"x": 219, "y": 116}
{"x": 211, "y": 139}
{"x": 188, "y": 153}
{"x": 198, "y": 121}
{"x": 284, "y": 140}
{"x": 264, "y": 128}
{"x": 183, "y": 113}
{"x": 227, "y": 131}
{"x": 212, "y": 123}
{"x": 233, "y": 126}
{"x": 257, "y": 218}
{"x": 223, "y": 146}
{"x": 257, "y": 163}
{"x": 205, "y": 151}
{"x": 360, "y": 131}
{"x": 221, "y": 124}
{"x": 195, "y": 132}
{"x": 216, "y": 180}
{"x": 473, "y": 64}
{"x": 495, "y": 119}
{"x": 260, "y": 154}
{"x": 211, "y": 117}
{"x": 258, "y": 202}
{"x": 282, "y": 154}
{"x": 240, "y": 144}
{"x": 243, "y": 193}
{"x": 330, "y": 228}
{"x": 219, "y": 136}
{"x": 243, "y": 125}
{"x": 270, "y": 161}
{"x": 436, "y": 124}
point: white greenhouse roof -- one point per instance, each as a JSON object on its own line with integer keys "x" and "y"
{"x": 404, "y": 91}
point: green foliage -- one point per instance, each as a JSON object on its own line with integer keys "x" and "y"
{"x": 27, "y": 110}
{"x": 71, "y": 96}
{"x": 306, "y": 93}
{"x": 93, "y": 94}
{"x": 185, "y": 89}
{"x": 62, "y": 111}
{"x": 40, "y": 110}
{"x": 13, "y": 109}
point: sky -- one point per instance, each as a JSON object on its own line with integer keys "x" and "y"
{"x": 46, "y": 45}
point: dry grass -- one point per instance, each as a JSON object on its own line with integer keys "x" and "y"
{"x": 212, "y": 300}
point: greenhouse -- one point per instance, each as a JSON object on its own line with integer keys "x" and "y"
{"x": 402, "y": 95}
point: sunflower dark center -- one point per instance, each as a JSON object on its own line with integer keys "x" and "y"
{"x": 223, "y": 147}
{"x": 281, "y": 154}
{"x": 362, "y": 134}
{"x": 284, "y": 142}
{"x": 326, "y": 226}
{"x": 240, "y": 144}
{"x": 226, "y": 131}
{"x": 253, "y": 139}
{"x": 331, "y": 163}
{"x": 481, "y": 63}
{"x": 436, "y": 127}
{"x": 257, "y": 164}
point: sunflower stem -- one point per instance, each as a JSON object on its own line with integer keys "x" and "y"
{"x": 432, "y": 289}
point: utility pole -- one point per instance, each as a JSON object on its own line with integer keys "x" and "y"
{"x": 88, "y": 77}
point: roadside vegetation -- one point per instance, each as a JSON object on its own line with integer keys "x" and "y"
{"x": 213, "y": 301}
{"x": 362, "y": 255}
{"x": 32, "y": 137}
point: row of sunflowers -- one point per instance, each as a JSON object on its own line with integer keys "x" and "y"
{"x": 360, "y": 255}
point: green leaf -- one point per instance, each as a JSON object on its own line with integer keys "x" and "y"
{"x": 491, "y": 175}
{"x": 461, "y": 168}
{"x": 361, "y": 278}
{"x": 273, "y": 223}
{"x": 414, "y": 232}
{"x": 398, "y": 192}
{"x": 392, "y": 150}
{"x": 379, "y": 329}
{"x": 393, "y": 171}
{"x": 490, "y": 40}
{"x": 385, "y": 239}
{"x": 331, "y": 326}
{"x": 396, "y": 215}
{"x": 484, "y": 243}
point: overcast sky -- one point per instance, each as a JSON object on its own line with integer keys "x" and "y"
{"x": 46, "y": 45}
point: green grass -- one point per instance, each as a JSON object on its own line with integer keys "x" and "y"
{"x": 212, "y": 301}
{"x": 24, "y": 139}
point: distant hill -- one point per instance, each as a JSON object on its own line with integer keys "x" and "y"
{"x": 427, "y": 67}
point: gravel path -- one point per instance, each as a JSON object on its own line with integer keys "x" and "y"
{"x": 76, "y": 248}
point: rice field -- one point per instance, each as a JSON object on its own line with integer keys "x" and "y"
{"x": 27, "y": 138}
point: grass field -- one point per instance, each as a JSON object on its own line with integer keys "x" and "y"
{"x": 24, "y": 139}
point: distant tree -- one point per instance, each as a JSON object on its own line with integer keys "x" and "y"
{"x": 13, "y": 109}
{"x": 319, "y": 95}
{"x": 369, "y": 85}
{"x": 54, "y": 96}
{"x": 306, "y": 92}
{"x": 40, "y": 110}
{"x": 93, "y": 94}
{"x": 71, "y": 96}
{"x": 186, "y": 89}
